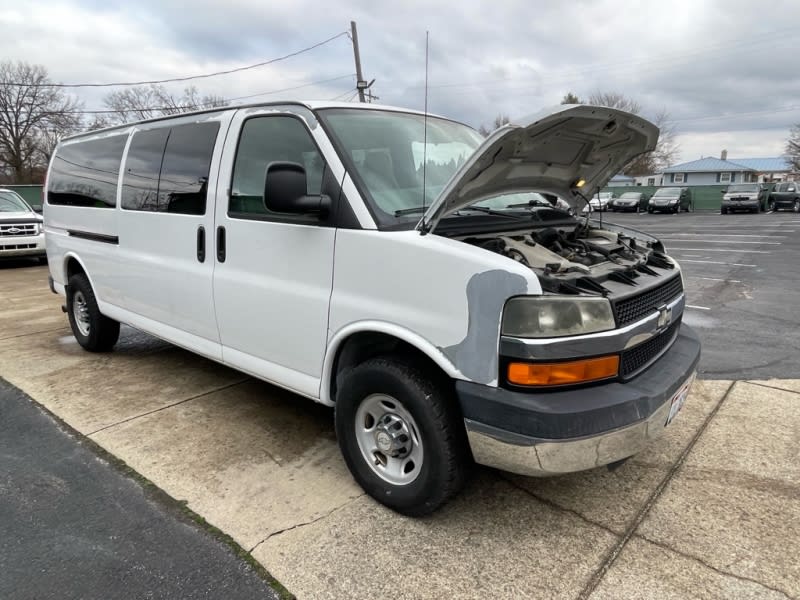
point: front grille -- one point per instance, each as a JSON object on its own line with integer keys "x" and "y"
{"x": 16, "y": 246}
{"x": 15, "y": 230}
{"x": 631, "y": 309}
{"x": 642, "y": 355}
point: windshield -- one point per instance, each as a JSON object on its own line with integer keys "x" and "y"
{"x": 385, "y": 151}
{"x": 630, "y": 196}
{"x": 668, "y": 192}
{"x": 744, "y": 187}
{"x": 12, "y": 202}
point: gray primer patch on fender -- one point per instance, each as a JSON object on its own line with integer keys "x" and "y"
{"x": 476, "y": 355}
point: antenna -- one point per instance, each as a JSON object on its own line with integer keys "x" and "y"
{"x": 425, "y": 136}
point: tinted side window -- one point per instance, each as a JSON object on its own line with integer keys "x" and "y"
{"x": 86, "y": 173}
{"x": 183, "y": 184}
{"x": 142, "y": 166}
{"x": 264, "y": 140}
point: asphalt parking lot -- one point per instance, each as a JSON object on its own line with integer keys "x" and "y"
{"x": 711, "y": 510}
{"x": 742, "y": 277}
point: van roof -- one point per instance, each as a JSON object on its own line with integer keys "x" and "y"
{"x": 310, "y": 104}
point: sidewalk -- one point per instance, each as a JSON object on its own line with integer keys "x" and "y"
{"x": 711, "y": 510}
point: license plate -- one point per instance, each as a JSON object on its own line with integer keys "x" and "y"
{"x": 676, "y": 403}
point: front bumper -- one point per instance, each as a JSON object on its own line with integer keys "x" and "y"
{"x": 549, "y": 433}
{"x": 740, "y": 204}
{"x": 17, "y": 246}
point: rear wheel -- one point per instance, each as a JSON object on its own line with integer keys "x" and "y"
{"x": 650, "y": 210}
{"x": 401, "y": 435}
{"x": 796, "y": 206}
{"x": 723, "y": 211}
{"x": 94, "y": 331}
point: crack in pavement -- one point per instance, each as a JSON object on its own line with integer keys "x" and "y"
{"x": 19, "y": 335}
{"x": 614, "y": 553}
{"x": 558, "y": 507}
{"x": 699, "y": 560}
{"x": 311, "y": 522}
{"x": 771, "y": 387}
{"x": 155, "y": 410}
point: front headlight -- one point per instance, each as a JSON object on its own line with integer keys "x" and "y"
{"x": 548, "y": 316}
{"x": 673, "y": 201}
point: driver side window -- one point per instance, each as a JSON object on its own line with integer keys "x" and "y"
{"x": 264, "y": 140}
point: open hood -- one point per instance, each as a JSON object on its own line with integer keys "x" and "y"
{"x": 550, "y": 152}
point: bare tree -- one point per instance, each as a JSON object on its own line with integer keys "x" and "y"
{"x": 33, "y": 116}
{"x": 146, "y": 102}
{"x": 615, "y": 100}
{"x": 793, "y": 148}
{"x": 570, "y": 98}
{"x": 499, "y": 121}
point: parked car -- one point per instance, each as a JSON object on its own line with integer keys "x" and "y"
{"x": 21, "y": 233}
{"x": 601, "y": 200}
{"x": 629, "y": 202}
{"x": 298, "y": 243}
{"x": 671, "y": 199}
{"x": 751, "y": 197}
{"x": 785, "y": 195}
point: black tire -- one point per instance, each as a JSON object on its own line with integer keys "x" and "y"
{"x": 97, "y": 333}
{"x": 723, "y": 211}
{"x": 436, "y": 421}
{"x": 650, "y": 210}
{"x": 796, "y": 206}
{"x": 771, "y": 207}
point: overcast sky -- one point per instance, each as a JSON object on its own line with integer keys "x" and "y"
{"x": 725, "y": 70}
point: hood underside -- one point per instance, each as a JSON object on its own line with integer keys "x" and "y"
{"x": 549, "y": 152}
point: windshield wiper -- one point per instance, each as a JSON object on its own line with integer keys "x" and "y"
{"x": 411, "y": 211}
{"x": 530, "y": 204}
{"x": 491, "y": 211}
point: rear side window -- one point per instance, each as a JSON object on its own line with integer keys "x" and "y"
{"x": 142, "y": 166}
{"x": 86, "y": 173}
{"x": 183, "y": 185}
{"x": 167, "y": 169}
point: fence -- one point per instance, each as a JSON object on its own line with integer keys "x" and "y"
{"x": 705, "y": 197}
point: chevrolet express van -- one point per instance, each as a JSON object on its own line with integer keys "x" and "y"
{"x": 363, "y": 256}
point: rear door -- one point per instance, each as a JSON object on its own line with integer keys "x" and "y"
{"x": 274, "y": 271}
{"x": 166, "y": 223}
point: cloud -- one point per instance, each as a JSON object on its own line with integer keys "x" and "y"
{"x": 723, "y": 71}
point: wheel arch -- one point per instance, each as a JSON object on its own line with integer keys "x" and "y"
{"x": 357, "y": 342}
{"x": 73, "y": 265}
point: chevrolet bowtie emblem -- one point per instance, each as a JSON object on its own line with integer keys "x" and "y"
{"x": 664, "y": 317}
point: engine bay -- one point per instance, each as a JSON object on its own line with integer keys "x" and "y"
{"x": 578, "y": 258}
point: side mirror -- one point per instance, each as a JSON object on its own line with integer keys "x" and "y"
{"x": 285, "y": 191}
{"x": 723, "y": 191}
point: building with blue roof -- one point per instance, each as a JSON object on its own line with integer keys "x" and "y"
{"x": 710, "y": 171}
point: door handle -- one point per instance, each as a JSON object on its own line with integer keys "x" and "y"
{"x": 201, "y": 244}
{"x": 221, "y": 244}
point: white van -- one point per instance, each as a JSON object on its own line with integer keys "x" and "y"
{"x": 367, "y": 257}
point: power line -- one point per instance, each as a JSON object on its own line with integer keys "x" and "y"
{"x": 294, "y": 88}
{"x": 174, "y": 79}
{"x": 202, "y": 106}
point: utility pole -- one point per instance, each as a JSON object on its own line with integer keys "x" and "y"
{"x": 361, "y": 84}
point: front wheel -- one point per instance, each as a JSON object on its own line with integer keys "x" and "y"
{"x": 94, "y": 331}
{"x": 401, "y": 435}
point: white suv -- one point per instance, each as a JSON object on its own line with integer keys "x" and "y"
{"x": 21, "y": 233}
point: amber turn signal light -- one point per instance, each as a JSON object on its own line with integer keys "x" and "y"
{"x": 576, "y": 371}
